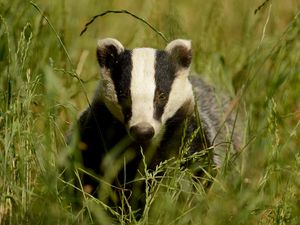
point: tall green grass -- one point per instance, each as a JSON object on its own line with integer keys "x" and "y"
{"x": 47, "y": 71}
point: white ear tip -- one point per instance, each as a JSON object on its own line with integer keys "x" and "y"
{"x": 179, "y": 42}
{"x": 110, "y": 41}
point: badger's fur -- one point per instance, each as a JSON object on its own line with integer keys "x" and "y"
{"x": 147, "y": 101}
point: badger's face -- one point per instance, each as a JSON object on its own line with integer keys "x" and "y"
{"x": 145, "y": 87}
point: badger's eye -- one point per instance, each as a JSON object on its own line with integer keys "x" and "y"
{"x": 122, "y": 94}
{"x": 162, "y": 96}
{"x": 127, "y": 116}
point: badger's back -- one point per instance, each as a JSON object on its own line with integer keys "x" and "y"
{"x": 219, "y": 120}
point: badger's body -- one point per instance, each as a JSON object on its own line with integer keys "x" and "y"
{"x": 147, "y": 104}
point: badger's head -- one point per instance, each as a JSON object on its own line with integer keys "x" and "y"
{"x": 145, "y": 87}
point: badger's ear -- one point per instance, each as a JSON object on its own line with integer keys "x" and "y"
{"x": 181, "y": 52}
{"x": 108, "y": 50}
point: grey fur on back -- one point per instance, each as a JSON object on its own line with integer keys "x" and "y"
{"x": 218, "y": 120}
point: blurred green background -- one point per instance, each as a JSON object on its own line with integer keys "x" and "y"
{"x": 48, "y": 71}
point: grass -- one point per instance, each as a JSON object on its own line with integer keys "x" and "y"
{"x": 47, "y": 71}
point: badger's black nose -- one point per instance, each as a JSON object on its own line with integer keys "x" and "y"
{"x": 142, "y": 132}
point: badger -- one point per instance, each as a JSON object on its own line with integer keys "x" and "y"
{"x": 145, "y": 106}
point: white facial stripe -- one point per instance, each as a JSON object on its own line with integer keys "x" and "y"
{"x": 110, "y": 98}
{"x": 181, "y": 91}
{"x": 143, "y": 87}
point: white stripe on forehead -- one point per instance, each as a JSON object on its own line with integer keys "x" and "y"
{"x": 143, "y": 86}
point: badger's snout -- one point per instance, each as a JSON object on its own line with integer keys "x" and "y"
{"x": 142, "y": 132}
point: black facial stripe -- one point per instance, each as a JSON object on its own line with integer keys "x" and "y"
{"x": 121, "y": 76}
{"x": 164, "y": 77}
